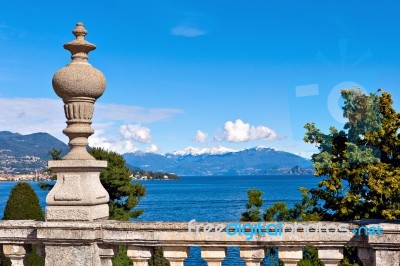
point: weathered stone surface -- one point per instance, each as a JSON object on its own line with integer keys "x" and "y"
{"x": 252, "y": 256}
{"x": 213, "y": 255}
{"x": 387, "y": 257}
{"x": 16, "y": 253}
{"x": 290, "y": 255}
{"x": 330, "y": 256}
{"x": 77, "y": 213}
{"x": 72, "y": 255}
{"x": 140, "y": 255}
{"x": 78, "y": 194}
{"x": 78, "y": 183}
{"x": 106, "y": 253}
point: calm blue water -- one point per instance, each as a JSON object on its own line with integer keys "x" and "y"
{"x": 206, "y": 199}
{"x": 215, "y": 198}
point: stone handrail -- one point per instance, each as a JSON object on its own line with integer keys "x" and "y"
{"x": 95, "y": 243}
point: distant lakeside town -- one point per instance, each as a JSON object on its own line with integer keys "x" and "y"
{"x": 26, "y": 177}
{"x": 44, "y": 176}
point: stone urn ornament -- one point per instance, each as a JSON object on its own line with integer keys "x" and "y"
{"x": 78, "y": 194}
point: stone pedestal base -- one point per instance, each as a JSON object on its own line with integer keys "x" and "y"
{"x": 77, "y": 213}
{"x": 78, "y": 194}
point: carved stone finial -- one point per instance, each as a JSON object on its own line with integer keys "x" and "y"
{"x": 79, "y": 84}
{"x": 78, "y": 194}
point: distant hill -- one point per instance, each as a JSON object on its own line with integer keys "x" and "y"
{"x": 26, "y": 153}
{"x": 221, "y": 161}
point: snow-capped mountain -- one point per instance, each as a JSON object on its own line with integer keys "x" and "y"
{"x": 222, "y": 161}
{"x": 199, "y": 151}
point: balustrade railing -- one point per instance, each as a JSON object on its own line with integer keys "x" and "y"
{"x": 96, "y": 243}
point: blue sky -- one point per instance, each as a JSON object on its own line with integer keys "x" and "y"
{"x": 199, "y": 73}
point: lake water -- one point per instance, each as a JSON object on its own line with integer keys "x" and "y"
{"x": 215, "y": 198}
{"x": 205, "y": 199}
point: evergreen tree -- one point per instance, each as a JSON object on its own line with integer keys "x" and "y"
{"x": 116, "y": 179}
{"x": 23, "y": 204}
{"x": 254, "y": 203}
{"x": 360, "y": 163}
{"x": 158, "y": 258}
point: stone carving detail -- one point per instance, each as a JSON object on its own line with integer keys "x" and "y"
{"x": 79, "y": 84}
{"x": 79, "y": 110}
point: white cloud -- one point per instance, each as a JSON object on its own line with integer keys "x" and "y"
{"x": 30, "y": 115}
{"x": 136, "y": 132}
{"x": 187, "y": 31}
{"x": 153, "y": 148}
{"x": 200, "y": 136}
{"x": 240, "y": 131}
{"x": 112, "y": 144}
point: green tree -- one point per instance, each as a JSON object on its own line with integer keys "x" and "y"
{"x": 254, "y": 203}
{"x": 116, "y": 179}
{"x": 360, "y": 163}
{"x": 23, "y": 204}
{"x": 158, "y": 258}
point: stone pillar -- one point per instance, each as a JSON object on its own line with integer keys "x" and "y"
{"x": 176, "y": 255}
{"x": 386, "y": 257}
{"x": 213, "y": 255}
{"x": 16, "y": 253}
{"x": 140, "y": 255}
{"x": 78, "y": 194}
{"x": 106, "y": 253}
{"x": 252, "y": 256}
{"x": 330, "y": 256}
{"x": 290, "y": 255}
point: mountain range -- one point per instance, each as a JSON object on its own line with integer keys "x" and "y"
{"x": 27, "y": 153}
{"x": 222, "y": 161}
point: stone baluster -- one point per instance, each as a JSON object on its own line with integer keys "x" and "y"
{"x": 213, "y": 255}
{"x": 366, "y": 255}
{"x": 330, "y": 256}
{"x": 252, "y": 256}
{"x": 16, "y": 253}
{"x": 290, "y": 255}
{"x": 106, "y": 253}
{"x": 140, "y": 255}
{"x": 176, "y": 255}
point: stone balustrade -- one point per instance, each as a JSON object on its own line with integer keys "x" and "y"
{"x": 95, "y": 243}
